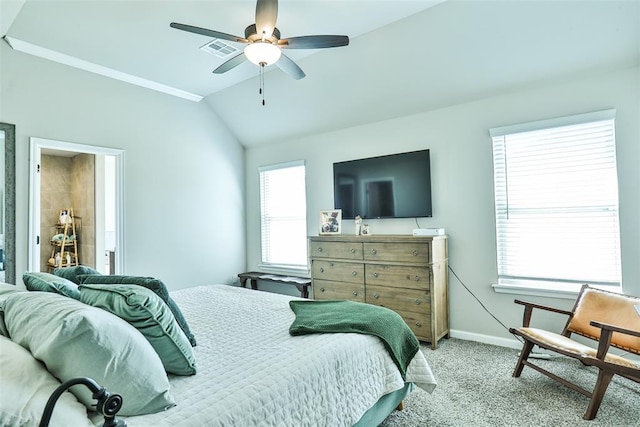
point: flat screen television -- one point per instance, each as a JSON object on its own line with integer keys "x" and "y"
{"x": 392, "y": 186}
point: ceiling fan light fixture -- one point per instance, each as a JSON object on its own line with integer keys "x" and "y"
{"x": 262, "y": 53}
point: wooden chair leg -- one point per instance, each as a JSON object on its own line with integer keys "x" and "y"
{"x": 524, "y": 354}
{"x": 604, "y": 378}
{"x": 400, "y": 406}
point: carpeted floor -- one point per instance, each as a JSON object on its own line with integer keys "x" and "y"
{"x": 475, "y": 388}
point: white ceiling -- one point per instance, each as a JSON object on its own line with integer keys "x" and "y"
{"x": 404, "y": 56}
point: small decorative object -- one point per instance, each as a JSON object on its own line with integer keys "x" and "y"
{"x": 68, "y": 259}
{"x": 64, "y": 215}
{"x": 65, "y": 218}
{"x": 358, "y": 224}
{"x": 331, "y": 221}
{"x": 364, "y": 230}
{"x": 58, "y": 260}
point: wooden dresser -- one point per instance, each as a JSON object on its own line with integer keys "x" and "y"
{"x": 407, "y": 274}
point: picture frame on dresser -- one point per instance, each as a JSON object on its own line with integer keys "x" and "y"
{"x": 330, "y": 222}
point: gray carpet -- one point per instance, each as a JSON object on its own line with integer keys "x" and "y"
{"x": 475, "y": 388}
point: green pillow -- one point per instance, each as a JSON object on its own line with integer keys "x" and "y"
{"x": 27, "y": 385}
{"x": 72, "y": 273}
{"x": 150, "y": 283}
{"x": 6, "y": 289}
{"x": 143, "y": 309}
{"x": 45, "y": 282}
{"x": 76, "y": 340}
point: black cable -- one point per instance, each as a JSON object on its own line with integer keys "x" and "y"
{"x": 481, "y": 304}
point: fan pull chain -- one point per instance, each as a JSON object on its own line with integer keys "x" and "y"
{"x": 261, "y": 91}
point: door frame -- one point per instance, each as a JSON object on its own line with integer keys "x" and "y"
{"x": 35, "y": 150}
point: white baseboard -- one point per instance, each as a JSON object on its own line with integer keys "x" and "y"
{"x": 486, "y": 339}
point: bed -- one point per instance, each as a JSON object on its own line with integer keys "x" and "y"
{"x": 252, "y": 372}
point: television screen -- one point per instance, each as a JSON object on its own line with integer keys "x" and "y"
{"x": 393, "y": 186}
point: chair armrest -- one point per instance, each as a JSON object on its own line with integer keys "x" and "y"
{"x": 528, "y": 310}
{"x": 614, "y": 328}
{"x": 544, "y": 307}
{"x": 606, "y": 333}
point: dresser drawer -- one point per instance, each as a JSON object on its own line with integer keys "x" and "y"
{"x": 399, "y": 276}
{"x": 419, "y": 323}
{"x": 419, "y": 253}
{"x": 326, "y": 289}
{"x": 342, "y": 250}
{"x": 337, "y": 271}
{"x": 398, "y": 299}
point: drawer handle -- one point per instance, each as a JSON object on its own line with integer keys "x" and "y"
{"x": 330, "y": 264}
{"x": 418, "y": 301}
{"x": 416, "y": 278}
{"x": 321, "y": 269}
{"x": 353, "y": 251}
{"x": 419, "y": 325}
{"x": 373, "y": 251}
{"x": 355, "y": 293}
{"x": 321, "y": 289}
{"x": 376, "y": 296}
{"x": 319, "y": 249}
{"x": 354, "y": 273}
{"x": 415, "y": 252}
{"x": 375, "y": 274}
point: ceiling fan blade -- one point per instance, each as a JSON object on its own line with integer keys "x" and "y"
{"x": 266, "y": 15}
{"x": 207, "y": 32}
{"x": 231, "y": 63}
{"x": 287, "y": 65}
{"x": 313, "y": 42}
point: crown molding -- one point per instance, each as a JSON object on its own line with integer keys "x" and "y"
{"x": 52, "y": 55}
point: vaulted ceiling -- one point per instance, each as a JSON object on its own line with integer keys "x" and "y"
{"x": 404, "y": 56}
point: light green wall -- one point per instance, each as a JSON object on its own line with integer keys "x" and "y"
{"x": 462, "y": 175}
{"x": 184, "y": 186}
{"x": 185, "y": 192}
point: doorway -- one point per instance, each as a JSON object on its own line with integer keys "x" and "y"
{"x": 99, "y": 210}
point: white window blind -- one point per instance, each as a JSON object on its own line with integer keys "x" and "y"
{"x": 556, "y": 201}
{"x": 283, "y": 214}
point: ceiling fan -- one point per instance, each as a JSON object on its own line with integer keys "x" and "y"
{"x": 264, "y": 43}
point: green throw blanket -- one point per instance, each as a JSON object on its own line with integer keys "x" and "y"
{"x": 350, "y": 316}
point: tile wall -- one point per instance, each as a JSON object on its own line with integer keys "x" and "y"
{"x": 68, "y": 182}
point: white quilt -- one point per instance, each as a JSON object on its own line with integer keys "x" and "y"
{"x": 251, "y": 372}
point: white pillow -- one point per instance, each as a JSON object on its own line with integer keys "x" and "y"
{"x": 76, "y": 340}
{"x": 25, "y": 387}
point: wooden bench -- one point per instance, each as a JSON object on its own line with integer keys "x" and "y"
{"x": 301, "y": 283}
{"x": 608, "y": 318}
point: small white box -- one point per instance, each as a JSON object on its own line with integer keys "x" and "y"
{"x": 428, "y": 231}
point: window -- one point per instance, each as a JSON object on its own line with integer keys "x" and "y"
{"x": 283, "y": 216}
{"x": 556, "y": 202}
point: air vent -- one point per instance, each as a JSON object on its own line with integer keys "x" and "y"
{"x": 219, "y": 48}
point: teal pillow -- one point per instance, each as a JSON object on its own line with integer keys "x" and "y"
{"x": 72, "y": 273}
{"x": 143, "y": 309}
{"x": 76, "y": 340}
{"x": 150, "y": 283}
{"x": 46, "y": 282}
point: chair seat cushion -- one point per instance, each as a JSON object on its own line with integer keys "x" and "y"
{"x": 567, "y": 344}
